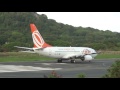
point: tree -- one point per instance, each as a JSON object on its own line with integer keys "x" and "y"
{"x": 81, "y": 75}
{"x": 113, "y": 71}
{"x": 14, "y": 27}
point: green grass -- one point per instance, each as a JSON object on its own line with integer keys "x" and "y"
{"x": 20, "y": 56}
{"x": 107, "y": 56}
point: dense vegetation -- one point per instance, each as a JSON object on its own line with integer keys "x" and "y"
{"x": 15, "y": 30}
{"x": 113, "y": 71}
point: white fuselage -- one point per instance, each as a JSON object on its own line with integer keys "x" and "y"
{"x": 61, "y": 53}
{"x": 66, "y": 52}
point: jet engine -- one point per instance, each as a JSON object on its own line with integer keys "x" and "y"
{"x": 87, "y": 58}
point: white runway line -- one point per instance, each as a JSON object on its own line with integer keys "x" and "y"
{"x": 61, "y": 63}
{"x": 46, "y": 63}
{"x": 51, "y": 63}
{"x": 19, "y": 68}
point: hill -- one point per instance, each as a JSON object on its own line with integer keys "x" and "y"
{"x": 15, "y": 30}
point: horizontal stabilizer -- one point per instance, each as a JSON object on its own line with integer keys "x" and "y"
{"x": 27, "y": 51}
{"x": 24, "y": 48}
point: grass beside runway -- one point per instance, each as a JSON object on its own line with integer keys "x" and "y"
{"x": 108, "y": 55}
{"x": 21, "y": 56}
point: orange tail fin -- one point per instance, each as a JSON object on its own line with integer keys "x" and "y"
{"x": 37, "y": 38}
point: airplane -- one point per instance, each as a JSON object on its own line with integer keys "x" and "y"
{"x": 60, "y": 53}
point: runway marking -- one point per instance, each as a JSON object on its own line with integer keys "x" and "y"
{"x": 50, "y": 63}
{"x": 61, "y": 63}
{"x": 103, "y": 64}
{"x": 20, "y": 68}
{"x": 46, "y": 63}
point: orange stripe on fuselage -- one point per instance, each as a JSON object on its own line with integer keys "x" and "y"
{"x": 46, "y": 45}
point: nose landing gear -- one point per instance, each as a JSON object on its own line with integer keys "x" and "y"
{"x": 59, "y": 61}
{"x": 72, "y": 61}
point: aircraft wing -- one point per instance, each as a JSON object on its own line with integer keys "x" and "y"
{"x": 76, "y": 56}
{"x": 69, "y": 56}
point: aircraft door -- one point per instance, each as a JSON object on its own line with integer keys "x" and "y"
{"x": 50, "y": 52}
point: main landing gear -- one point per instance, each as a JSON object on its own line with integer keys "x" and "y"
{"x": 59, "y": 61}
{"x": 72, "y": 61}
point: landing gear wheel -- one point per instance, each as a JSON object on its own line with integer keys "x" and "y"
{"x": 59, "y": 60}
{"x": 72, "y": 61}
{"x": 82, "y": 58}
{"x": 89, "y": 61}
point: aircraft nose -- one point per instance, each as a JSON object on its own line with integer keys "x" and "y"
{"x": 94, "y": 53}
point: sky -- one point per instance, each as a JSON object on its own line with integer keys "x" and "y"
{"x": 98, "y": 20}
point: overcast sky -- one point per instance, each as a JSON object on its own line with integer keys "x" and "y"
{"x": 98, "y": 20}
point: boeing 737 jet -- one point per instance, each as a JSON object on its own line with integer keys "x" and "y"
{"x": 60, "y": 53}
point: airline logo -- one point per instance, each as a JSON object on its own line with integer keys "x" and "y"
{"x": 86, "y": 51}
{"x": 37, "y": 39}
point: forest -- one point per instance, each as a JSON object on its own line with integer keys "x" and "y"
{"x": 15, "y": 31}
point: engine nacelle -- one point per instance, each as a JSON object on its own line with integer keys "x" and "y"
{"x": 88, "y": 58}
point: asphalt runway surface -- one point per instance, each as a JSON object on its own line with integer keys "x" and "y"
{"x": 37, "y": 69}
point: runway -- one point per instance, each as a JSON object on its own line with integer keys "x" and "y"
{"x": 93, "y": 69}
